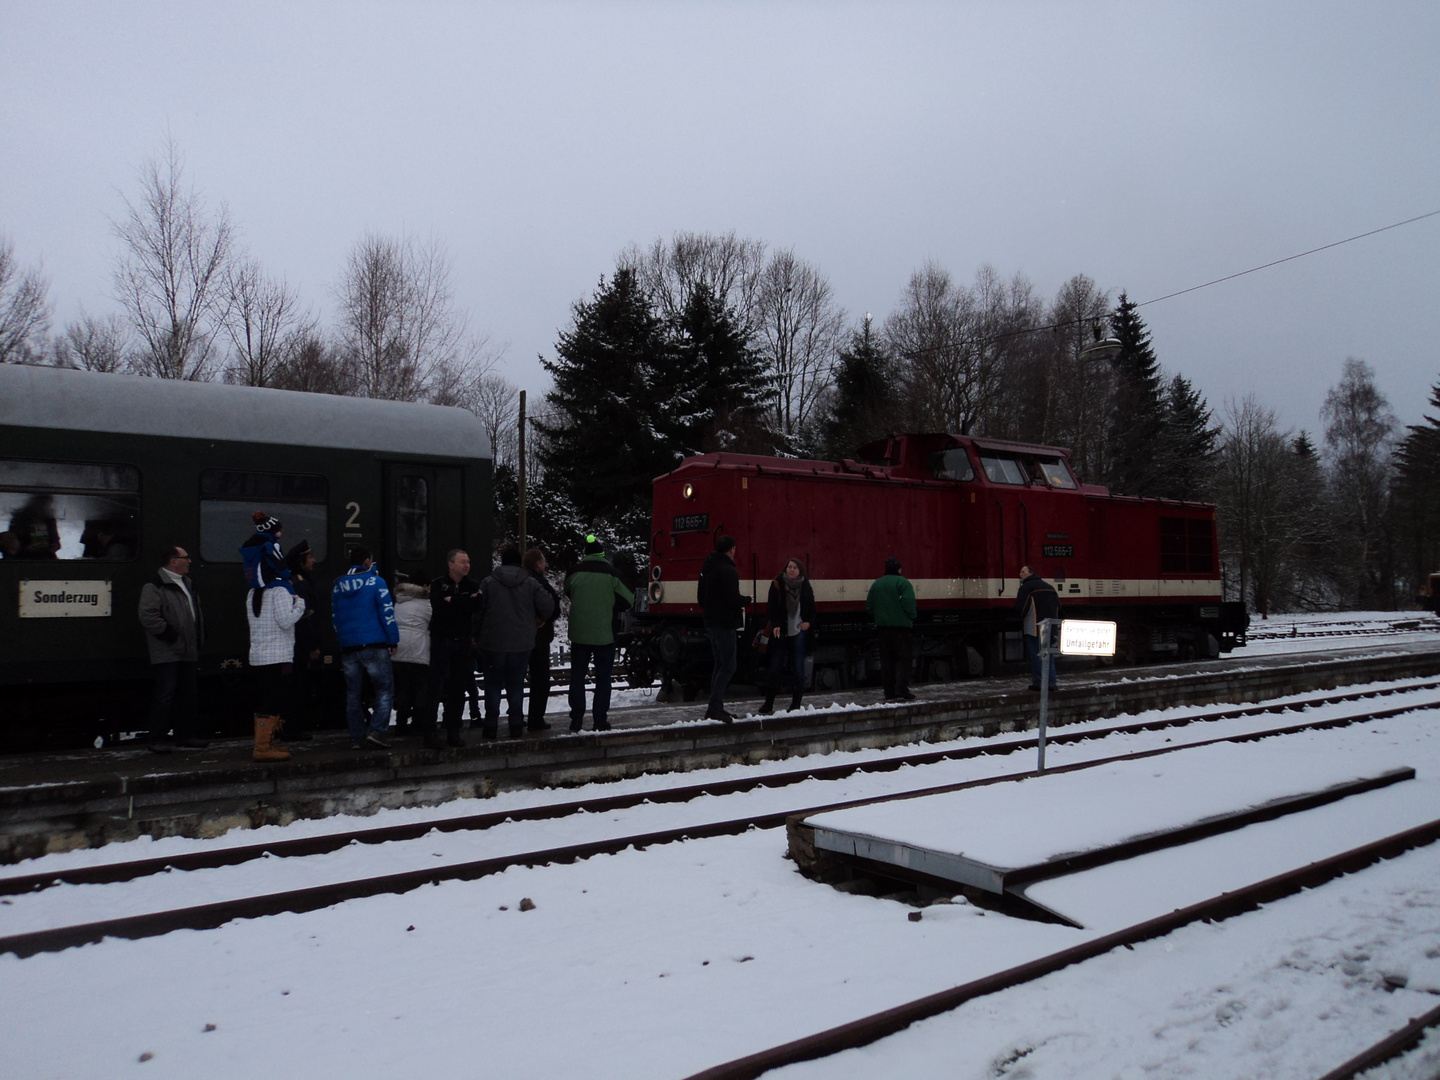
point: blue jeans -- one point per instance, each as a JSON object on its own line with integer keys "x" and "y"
{"x": 1032, "y": 650}
{"x": 722, "y": 651}
{"x": 580, "y": 657}
{"x": 374, "y": 662}
{"x": 792, "y": 649}
{"x": 504, "y": 671}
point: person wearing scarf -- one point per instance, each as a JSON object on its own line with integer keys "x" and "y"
{"x": 790, "y": 613}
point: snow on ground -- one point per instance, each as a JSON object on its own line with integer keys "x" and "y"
{"x": 663, "y": 962}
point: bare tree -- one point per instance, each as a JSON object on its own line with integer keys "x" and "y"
{"x": 24, "y": 307}
{"x": 313, "y": 367}
{"x": 800, "y": 330}
{"x": 929, "y": 336}
{"x": 1360, "y": 438}
{"x": 171, "y": 272}
{"x": 265, "y": 324}
{"x": 399, "y": 329}
{"x": 730, "y": 267}
{"x": 496, "y": 401}
{"x": 1078, "y": 385}
{"x": 93, "y": 344}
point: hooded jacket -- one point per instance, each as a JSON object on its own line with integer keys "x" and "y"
{"x": 511, "y": 602}
{"x": 362, "y": 611}
{"x": 595, "y": 591}
{"x": 412, "y": 615}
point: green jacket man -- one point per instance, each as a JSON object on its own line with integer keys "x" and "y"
{"x": 891, "y": 603}
{"x": 596, "y": 593}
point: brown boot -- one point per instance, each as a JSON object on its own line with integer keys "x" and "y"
{"x": 265, "y": 750}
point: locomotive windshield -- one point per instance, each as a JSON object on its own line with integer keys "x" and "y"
{"x": 953, "y": 464}
{"x": 1056, "y": 473}
{"x": 1002, "y": 470}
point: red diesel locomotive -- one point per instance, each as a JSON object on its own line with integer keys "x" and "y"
{"x": 962, "y": 514}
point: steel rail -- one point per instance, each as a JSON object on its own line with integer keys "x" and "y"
{"x": 209, "y": 916}
{"x": 109, "y": 873}
{"x": 1392, "y": 1046}
{"x": 869, "y": 1029}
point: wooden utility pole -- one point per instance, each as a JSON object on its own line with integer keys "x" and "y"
{"x": 521, "y": 452}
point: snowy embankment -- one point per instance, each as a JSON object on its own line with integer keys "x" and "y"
{"x": 661, "y": 962}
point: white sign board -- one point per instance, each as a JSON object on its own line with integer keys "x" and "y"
{"x": 64, "y": 599}
{"x": 1081, "y": 638}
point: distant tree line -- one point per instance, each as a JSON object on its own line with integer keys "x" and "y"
{"x": 712, "y": 342}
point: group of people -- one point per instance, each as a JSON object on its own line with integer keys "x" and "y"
{"x": 418, "y": 649}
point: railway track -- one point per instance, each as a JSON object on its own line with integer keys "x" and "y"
{"x": 1409, "y": 626}
{"x": 1225, "y": 905}
{"x": 208, "y": 916}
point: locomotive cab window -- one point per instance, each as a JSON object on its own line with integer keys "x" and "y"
{"x": 63, "y": 510}
{"x": 953, "y": 464}
{"x": 1002, "y": 470}
{"x": 1055, "y": 473}
{"x": 228, "y": 497}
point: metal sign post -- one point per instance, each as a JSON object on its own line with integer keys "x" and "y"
{"x": 1047, "y": 630}
{"x": 1078, "y": 637}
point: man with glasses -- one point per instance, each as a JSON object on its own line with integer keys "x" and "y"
{"x": 174, "y": 626}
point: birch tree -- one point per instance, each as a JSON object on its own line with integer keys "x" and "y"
{"x": 171, "y": 271}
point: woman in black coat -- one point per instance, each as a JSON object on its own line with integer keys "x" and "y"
{"x": 791, "y": 612}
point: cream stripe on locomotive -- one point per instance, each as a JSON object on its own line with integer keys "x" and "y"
{"x": 852, "y": 590}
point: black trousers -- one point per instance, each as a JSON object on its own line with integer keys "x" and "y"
{"x": 173, "y": 703}
{"x": 299, "y": 710}
{"x": 452, "y": 673}
{"x": 271, "y": 682}
{"x": 412, "y": 694}
{"x": 895, "y": 658}
{"x": 539, "y": 683}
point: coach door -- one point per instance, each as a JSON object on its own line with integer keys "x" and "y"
{"x": 424, "y": 518}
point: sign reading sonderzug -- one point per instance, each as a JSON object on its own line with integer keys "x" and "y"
{"x": 64, "y": 599}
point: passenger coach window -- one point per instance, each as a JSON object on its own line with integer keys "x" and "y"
{"x": 1186, "y": 546}
{"x": 229, "y": 497}
{"x": 1002, "y": 470}
{"x": 951, "y": 464}
{"x": 62, "y": 510}
{"x": 411, "y": 518}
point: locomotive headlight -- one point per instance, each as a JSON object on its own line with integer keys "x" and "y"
{"x": 688, "y": 490}
{"x": 655, "y": 572}
{"x": 657, "y": 592}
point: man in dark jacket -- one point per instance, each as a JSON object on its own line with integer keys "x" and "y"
{"x": 539, "y": 666}
{"x": 718, "y": 593}
{"x": 364, "y": 619}
{"x": 1036, "y": 601}
{"x": 174, "y": 626}
{"x": 512, "y": 605}
{"x": 454, "y": 597}
{"x": 891, "y": 603}
{"x": 595, "y": 592}
{"x": 298, "y": 721}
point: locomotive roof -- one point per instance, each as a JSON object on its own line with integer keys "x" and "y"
{"x": 61, "y": 398}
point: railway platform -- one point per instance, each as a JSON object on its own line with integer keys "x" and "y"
{"x": 60, "y": 801}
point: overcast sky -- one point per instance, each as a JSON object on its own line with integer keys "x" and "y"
{"x": 1152, "y": 146}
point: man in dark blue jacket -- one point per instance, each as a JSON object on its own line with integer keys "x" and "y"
{"x": 1036, "y": 601}
{"x": 365, "y": 625}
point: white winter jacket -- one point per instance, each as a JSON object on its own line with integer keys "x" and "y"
{"x": 412, "y": 613}
{"x": 272, "y": 632}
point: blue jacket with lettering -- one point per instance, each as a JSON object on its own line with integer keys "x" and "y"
{"x": 362, "y": 611}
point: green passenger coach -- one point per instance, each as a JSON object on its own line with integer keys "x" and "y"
{"x": 99, "y": 472}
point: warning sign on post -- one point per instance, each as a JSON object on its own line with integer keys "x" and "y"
{"x": 1079, "y": 637}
